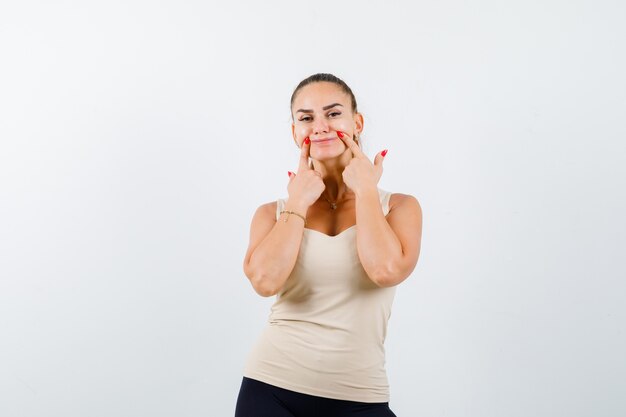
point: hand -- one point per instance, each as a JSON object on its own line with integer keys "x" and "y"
{"x": 307, "y": 185}
{"x": 360, "y": 174}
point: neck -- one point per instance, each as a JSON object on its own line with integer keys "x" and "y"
{"x": 332, "y": 175}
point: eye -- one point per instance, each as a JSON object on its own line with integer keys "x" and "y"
{"x": 332, "y": 114}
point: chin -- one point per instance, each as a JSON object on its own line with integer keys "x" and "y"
{"x": 328, "y": 156}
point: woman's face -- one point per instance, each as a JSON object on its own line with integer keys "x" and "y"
{"x": 320, "y": 110}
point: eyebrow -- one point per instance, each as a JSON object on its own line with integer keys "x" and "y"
{"x": 323, "y": 108}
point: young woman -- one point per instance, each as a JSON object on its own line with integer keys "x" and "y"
{"x": 332, "y": 252}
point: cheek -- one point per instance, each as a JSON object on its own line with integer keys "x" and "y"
{"x": 344, "y": 124}
{"x": 302, "y": 132}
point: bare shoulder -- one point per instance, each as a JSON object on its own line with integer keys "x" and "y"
{"x": 263, "y": 221}
{"x": 397, "y": 200}
{"x": 267, "y": 210}
{"x": 405, "y": 212}
{"x": 264, "y": 218}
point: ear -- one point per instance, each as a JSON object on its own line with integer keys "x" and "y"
{"x": 293, "y": 133}
{"x": 358, "y": 122}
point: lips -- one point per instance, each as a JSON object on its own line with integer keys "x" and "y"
{"x": 323, "y": 139}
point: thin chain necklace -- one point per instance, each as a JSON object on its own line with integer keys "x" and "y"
{"x": 333, "y": 205}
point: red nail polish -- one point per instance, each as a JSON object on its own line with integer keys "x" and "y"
{"x": 340, "y": 134}
{"x": 383, "y": 153}
{"x": 289, "y": 174}
{"x": 307, "y": 140}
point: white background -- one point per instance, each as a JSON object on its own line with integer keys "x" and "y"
{"x": 138, "y": 138}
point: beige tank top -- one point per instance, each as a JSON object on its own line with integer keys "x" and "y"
{"x": 327, "y": 327}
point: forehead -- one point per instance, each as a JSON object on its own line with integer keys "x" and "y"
{"x": 319, "y": 94}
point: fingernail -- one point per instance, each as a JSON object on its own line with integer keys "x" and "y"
{"x": 289, "y": 174}
{"x": 307, "y": 140}
{"x": 383, "y": 153}
{"x": 340, "y": 134}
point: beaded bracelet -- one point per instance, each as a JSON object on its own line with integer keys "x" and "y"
{"x": 292, "y": 212}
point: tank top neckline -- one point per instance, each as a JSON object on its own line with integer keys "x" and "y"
{"x": 311, "y": 232}
{"x": 329, "y": 236}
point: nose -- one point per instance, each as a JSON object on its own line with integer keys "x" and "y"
{"x": 320, "y": 126}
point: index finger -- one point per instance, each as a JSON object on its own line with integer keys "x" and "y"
{"x": 304, "y": 156}
{"x": 350, "y": 143}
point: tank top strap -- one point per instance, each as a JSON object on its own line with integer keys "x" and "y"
{"x": 384, "y": 200}
{"x": 383, "y": 194}
{"x": 280, "y": 204}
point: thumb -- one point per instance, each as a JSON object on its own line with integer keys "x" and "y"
{"x": 378, "y": 160}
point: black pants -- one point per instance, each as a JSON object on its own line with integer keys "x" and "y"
{"x": 258, "y": 399}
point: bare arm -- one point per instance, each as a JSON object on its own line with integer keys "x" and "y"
{"x": 273, "y": 248}
{"x": 388, "y": 247}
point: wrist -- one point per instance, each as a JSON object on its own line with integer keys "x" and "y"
{"x": 366, "y": 192}
{"x": 297, "y": 207}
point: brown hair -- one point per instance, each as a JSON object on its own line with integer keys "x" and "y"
{"x": 328, "y": 78}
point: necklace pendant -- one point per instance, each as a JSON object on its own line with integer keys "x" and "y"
{"x": 333, "y": 206}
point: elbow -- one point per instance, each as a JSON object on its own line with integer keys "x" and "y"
{"x": 383, "y": 281}
{"x": 394, "y": 272}
{"x": 264, "y": 290}
{"x": 263, "y": 286}
{"x": 388, "y": 277}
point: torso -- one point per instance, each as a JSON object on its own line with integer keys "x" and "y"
{"x": 327, "y": 327}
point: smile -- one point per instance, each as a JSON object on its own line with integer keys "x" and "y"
{"x": 323, "y": 140}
